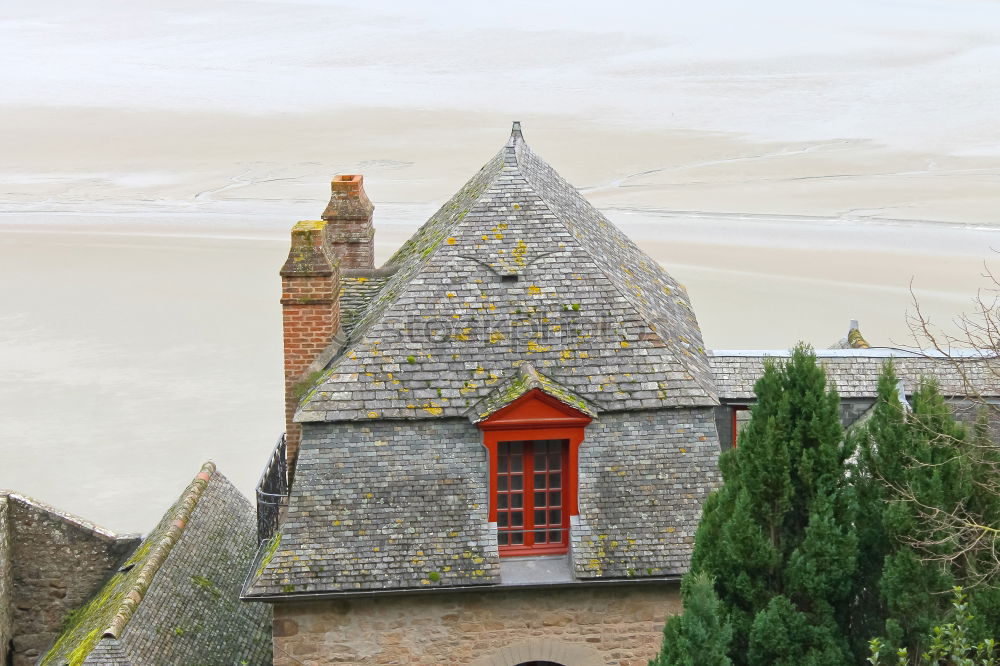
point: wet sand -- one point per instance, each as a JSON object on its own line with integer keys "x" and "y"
{"x": 130, "y": 353}
{"x": 795, "y": 171}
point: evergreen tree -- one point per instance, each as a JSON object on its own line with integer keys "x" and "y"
{"x": 948, "y": 644}
{"x": 699, "y": 637}
{"x": 778, "y": 537}
{"x": 921, "y": 480}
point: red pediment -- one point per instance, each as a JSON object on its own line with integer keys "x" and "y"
{"x": 535, "y": 409}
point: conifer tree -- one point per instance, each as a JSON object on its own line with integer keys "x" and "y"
{"x": 778, "y": 537}
{"x": 699, "y": 637}
{"x": 919, "y": 486}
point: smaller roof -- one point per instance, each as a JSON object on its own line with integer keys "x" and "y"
{"x": 175, "y": 599}
{"x": 855, "y": 372}
{"x": 524, "y": 380}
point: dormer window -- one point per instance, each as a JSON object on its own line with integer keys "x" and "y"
{"x": 508, "y": 279}
{"x": 532, "y": 430}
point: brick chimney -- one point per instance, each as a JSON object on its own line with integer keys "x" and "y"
{"x": 350, "y": 229}
{"x": 310, "y": 304}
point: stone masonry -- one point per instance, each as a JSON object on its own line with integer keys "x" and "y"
{"x": 57, "y": 562}
{"x": 6, "y": 592}
{"x": 592, "y": 626}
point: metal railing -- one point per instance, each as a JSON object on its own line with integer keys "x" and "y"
{"x": 272, "y": 491}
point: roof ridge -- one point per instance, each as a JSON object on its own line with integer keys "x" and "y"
{"x": 158, "y": 553}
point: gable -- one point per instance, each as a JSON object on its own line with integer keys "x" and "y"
{"x": 535, "y": 408}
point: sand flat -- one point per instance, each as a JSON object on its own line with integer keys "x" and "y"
{"x": 796, "y": 165}
{"x": 132, "y": 351}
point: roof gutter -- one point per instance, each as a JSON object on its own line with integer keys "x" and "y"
{"x": 319, "y": 596}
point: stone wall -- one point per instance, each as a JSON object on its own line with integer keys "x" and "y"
{"x": 579, "y": 626}
{"x": 57, "y": 563}
{"x": 6, "y": 601}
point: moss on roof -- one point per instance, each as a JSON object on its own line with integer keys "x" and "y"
{"x": 109, "y": 611}
{"x": 857, "y": 341}
{"x": 526, "y": 379}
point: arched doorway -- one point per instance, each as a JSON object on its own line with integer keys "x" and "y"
{"x": 539, "y": 663}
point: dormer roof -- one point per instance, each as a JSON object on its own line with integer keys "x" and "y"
{"x": 517, "y": 266}
{"x": 524, "y": 381}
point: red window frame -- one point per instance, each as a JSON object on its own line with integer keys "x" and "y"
{"x": 734, "y": 425}
{"x": 531, "y": 491}
{"x": 536, "y": 416}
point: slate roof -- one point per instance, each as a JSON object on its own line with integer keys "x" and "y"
{"x": 854, "y": 372}
{"x": 516, "y": 266}
{"x": 382, "y": 505}
{"x": 176, "y": 599}
{"x": 357, "y": 289}
{"x": 526, "y": 379}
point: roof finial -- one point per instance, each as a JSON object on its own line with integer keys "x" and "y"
{"x": 515, "y": 131}
{"x": 854, "y": 338}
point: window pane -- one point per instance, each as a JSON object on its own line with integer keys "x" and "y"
{"x": 539, "y": 474}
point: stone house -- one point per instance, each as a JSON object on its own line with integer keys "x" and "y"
{"x": 497, "y": 444}
{"x": 496, "y": 450}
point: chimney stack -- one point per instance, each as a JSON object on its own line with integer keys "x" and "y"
{"x": 310, "y": 304}
{"x": 349, "y": 217}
